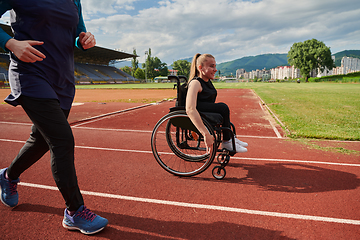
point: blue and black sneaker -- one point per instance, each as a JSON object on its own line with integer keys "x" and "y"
{"x": 85, "y": 221}
{"x": 8, "y": 189}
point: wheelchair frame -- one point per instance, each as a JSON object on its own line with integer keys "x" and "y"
{"x": 178, "y": 146}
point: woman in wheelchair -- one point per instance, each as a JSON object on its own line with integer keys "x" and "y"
{"x": 186, "y": 140}
{"x": 201, "y": 96}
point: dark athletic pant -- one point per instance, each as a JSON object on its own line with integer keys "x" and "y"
{"x": 51, "y": 131}
{"x": 221, "y": 108}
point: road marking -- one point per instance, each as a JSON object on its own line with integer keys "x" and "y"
{"x": 16, "y": 123}
{"x": 208, "y": 207}
{"x": 148, "y": 131}
{"x": 239, "y": 158}
{"x": 298, "y": 161}
{"x": 106, "y": 115}
{"x": 278, "y": 135}
{"x": 114, "y": 129}
{"x": 272, "y": 113}
{"x": 129, "y": 130}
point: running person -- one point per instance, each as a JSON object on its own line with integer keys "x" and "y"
{"x": 41, "y": 76}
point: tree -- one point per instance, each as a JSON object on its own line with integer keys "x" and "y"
{"x": 162, "y": 69}
{"x": 154, "y": 67}
{"x": 148, "y": 66}
{"x": 309, "y": 55}
{"x": 139, "y": 74}
{"x": 126, "y": 69}
{"x": 134, "y": 63}
{"x": 182, "y": 66}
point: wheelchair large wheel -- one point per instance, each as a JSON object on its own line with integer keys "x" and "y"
{"x": 178, "y": 147}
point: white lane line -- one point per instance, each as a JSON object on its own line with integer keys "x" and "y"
{"x": 131, "y": 130}
{"x": 148, "y": 131}
{"x": 114, "y": 149}
{"x": 113, "y": 129}
{"x": 14, "y": 141}
{"x": 16, "y": 123}
{"x": 239, "y": 158}
{"x": 107, "y": 115}
{"x": 272, "y": 113}
{"x": 271, "y": 124}
{"x": 297, "y": 161}
{"x": 208, "y": 207}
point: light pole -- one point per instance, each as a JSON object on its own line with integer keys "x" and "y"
{"x": 146, "y": 53}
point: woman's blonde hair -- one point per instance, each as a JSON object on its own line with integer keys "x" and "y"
{"x": 198, "y": 60}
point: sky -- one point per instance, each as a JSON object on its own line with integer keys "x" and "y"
{"x": 227, "y": 29}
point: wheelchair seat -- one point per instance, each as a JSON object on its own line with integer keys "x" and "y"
{"x": 213, "y": 118}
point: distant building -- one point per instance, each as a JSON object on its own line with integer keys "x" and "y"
{"x": 240, "y": 73}
{"x": 285, "y": 72}
{"x": 348, "y": 65}
{"x": 328, "y": 72}
{"x": 173, "y": 72}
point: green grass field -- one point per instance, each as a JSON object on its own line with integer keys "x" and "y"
{"x": 315, "y": 110}
{"x": 309, "y": 110}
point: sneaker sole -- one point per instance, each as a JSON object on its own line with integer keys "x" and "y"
{"x": 81, "y": 230}
{"x": 4, "y": 202}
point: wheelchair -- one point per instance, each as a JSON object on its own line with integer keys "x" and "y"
{"x": 178, "y": 146}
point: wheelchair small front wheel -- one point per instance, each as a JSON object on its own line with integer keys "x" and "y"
{"x": 218, "y": 172}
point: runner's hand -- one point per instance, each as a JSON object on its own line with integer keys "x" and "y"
{"x": 25, "y": 51}
{"x": 87, "y": 40}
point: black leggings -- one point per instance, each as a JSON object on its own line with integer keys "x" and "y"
{"x": 221, "y": 108}
{"x": 51, "y": 131}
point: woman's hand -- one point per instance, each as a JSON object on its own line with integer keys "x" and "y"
{"x": 87, "y": 40}
{"x": 209, "y": 141}
{"x": 25, "y": 51}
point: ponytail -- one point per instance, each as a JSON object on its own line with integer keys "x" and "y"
{"x": 198, "y": 59}
{"x": 193, "y": 69}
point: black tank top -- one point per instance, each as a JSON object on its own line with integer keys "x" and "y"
{"x": 208, "y": 93}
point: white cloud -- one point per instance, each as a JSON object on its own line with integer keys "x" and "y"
{"x": 105, "y": 6}
{"x": 226, "y": 28}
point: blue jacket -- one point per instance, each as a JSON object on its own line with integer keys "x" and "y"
{"x": 56, "y": 23}
{"x": 4, "y": 37}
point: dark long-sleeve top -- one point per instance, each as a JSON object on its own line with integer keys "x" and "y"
{"x": 58, "y": 24}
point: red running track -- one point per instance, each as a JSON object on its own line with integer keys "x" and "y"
{"x": 279, "y": 189}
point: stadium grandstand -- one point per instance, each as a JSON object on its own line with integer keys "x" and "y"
{"x": 91, "y": 66}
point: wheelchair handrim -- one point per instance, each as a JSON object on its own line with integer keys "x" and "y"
{"x": 206, "y": 157}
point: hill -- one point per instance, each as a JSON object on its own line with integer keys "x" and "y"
{"x": 267, "y": 61}
{"x": 347, "y": 53}
{"x": 250, "y": 63}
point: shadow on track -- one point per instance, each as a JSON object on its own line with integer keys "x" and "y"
{"x": 146, "y": 228}
{"x": 298, "y": 178}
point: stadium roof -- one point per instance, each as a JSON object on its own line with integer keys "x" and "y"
{"x": 99, "y": 55}
{"x": 95, "y": 55}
